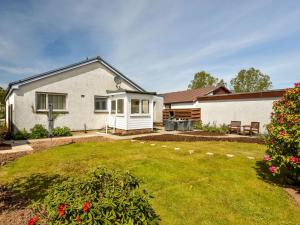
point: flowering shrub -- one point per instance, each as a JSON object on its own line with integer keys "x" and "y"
{"x": 102, "y": 197}
{"x": 283, "y": 141}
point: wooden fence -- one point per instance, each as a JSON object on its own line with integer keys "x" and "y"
{"x": 185, "y": 114}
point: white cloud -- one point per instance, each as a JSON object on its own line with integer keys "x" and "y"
{"x": 159, "y": 44}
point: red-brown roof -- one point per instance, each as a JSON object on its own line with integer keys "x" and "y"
{"x": 244, "y": 95}
{"x": 190, "y": 95}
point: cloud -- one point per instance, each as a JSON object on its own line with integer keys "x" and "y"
{"x": 158, "y": 44}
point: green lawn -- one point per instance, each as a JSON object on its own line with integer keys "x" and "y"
{"x": 187, "y": 189}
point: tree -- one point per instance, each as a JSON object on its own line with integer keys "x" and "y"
{"x": 283, "y": 141}
{"x": 222, "y": 83}
{"x": 2, "y": 102}
{"x": 2, "y": 96}
{"x": 204, "y": 79}
{"x": 251, "y": 80}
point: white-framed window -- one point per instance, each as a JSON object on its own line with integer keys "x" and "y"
{"x": 59, "y": 101}
{"x": 113, "y": 106}
{"x": 135, "y": 106}
{"x": 100, "y": 104}
{"x": 145, "y": 106}
{"x": 120, "y": 106}
{"x": 41, "y": 101}
{"x": 139, "y": 106}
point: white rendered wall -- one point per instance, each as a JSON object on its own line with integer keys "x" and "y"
{"x": 187, "y": 105}
{"x": 158, "y": 109}
{"x": 81, "y": 86}
{"x": 246, "y": 111}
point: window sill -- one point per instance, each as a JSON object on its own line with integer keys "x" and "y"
{"x": 55, "y": 111}
{"x": 100, "y": 111}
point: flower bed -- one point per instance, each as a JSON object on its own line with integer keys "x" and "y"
{"x": 8, "y": 157}
{"x": 172, "y": 137}
{"x": 203, "y": 133}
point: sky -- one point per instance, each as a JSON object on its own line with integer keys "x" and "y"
{"x": 160, "y": 45}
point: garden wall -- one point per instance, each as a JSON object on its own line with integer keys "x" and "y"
{"x": 244, "y": 110}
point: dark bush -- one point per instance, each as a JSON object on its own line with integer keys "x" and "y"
{"x": 39, "y": 131}
{"x": 61, "y": 132}
{"x": 102, "y": 197}
{"x": 21, "y": 135}
{"x": 3, "y": 132}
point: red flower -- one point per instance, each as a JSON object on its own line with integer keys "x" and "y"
{"x": 282, "y": 133}
{"x": 297, "y": 120}
{"x": 33, "y": 220}
{"x": 286, "y": 104}
{"x": 61, "y": 210}
{"x": 78, "y": 219}
{"x": 297, "y": 85}
{"x": 86, "y": 207}
{"x": 294, "y": 159}
{"x": 267, "y": 158}
{"x": 273, "y": 169}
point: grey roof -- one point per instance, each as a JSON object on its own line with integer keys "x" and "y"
{"x": 97, "y": 58}
{"x": 129, "y": 91}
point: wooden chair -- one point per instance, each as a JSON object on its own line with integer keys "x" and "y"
{"x": 235, "y": 126}
{"x": 252, "y": 129}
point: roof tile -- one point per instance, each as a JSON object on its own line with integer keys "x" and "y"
{"x": 188, "y": 95}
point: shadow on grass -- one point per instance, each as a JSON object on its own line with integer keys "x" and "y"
{"x": 22, "y": 191}
{"x": 263, "y": 173}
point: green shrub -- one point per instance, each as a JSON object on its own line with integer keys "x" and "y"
{"x": 39, "y": 131}
{"x": 102, "y": 197}
{"x": 283, "y": 141}
{"x": 198, "y": 125}
{"x": 21, "y": 135}
{"x": 223, "y": 129}
{"x": 3, "y": 132}
{"x": 61, "y": 132}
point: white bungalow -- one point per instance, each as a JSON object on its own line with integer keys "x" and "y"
{"x": 90, "y": 94}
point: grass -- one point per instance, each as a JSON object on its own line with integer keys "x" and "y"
{"x": 187, "y": 189}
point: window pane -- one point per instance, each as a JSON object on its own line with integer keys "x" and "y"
{"x": 145, "y": 106}
{"x": 120, "y": 106}
{"x": 100, "y": 103}
{"x": 41, "y": 101}
{"x": 58, "y": 101}
{"x": 135, "y": 106}
{"x": 113, "y": 106}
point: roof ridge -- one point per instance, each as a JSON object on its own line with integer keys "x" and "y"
{"x": 70, "y": 66}
{"x": 190, "y": 90}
